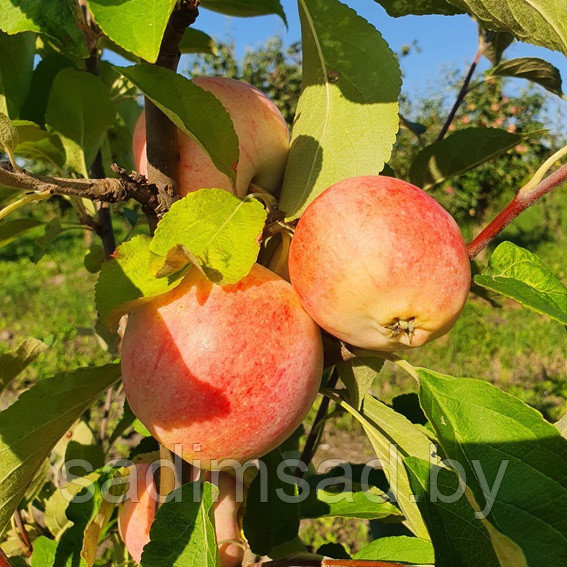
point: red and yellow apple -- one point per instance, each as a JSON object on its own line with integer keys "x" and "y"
{"x": 137, "y": 513}
{"x": 218, "y": 373}
{"x": 263, "y": 141}
{"x": 378, "y": 263}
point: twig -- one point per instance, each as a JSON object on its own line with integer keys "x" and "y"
{"x": 161, "y": 134}
{"x": 104, "y": 220}
{"x": 27, "y": 546}
{"x": 109, "y": 190}
{"x": 316, "y": 428}
{"x": 462, "y": 92}
{"x": 523, "y": 199}
{"x": 4, "y": 559}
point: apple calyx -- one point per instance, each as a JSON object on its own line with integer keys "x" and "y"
{"x": 401, "y": 327}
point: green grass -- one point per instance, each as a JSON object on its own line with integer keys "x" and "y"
{"x": 52, "y": 300}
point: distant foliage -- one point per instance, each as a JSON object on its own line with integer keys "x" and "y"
{"x": 469, "y": 196}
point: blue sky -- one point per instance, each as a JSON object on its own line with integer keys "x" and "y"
{"x": 443, "y": 40}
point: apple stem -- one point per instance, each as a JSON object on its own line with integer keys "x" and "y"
{"x": 523, "y": 199}
{"x": 23, "y": 536}
{"x": 462, "y": 92}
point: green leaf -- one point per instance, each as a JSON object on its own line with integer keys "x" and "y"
{"x": 412, "y": 550}
{"x": 541, "y": 22}
{"x": 414, "y": 127}
{"x": 44, "y": 74}
{"x": 197, "y": 41}
{"x": 183, "y": 532}
{"x": 393, "y": 438}
{"x": 38, "y": 145}
{"x": 350, "y": 477}
{"x": 408, "y": 406}
{"x": 334, "y": 550}
{"x": 57, "y": 19}
{"x": 213, "y": 228}
{"x": 41, "y": 478}
{"x": 246, "y": 8}
{"x": 126, "y": 281}
{"x": 8, "y": 135}
{"x": 368, "y": 505}
{"x": 195, "y": 111}
{"x": 514, "y": 462}
{"x": 94, "y": 258}
{"x": 493, "y": 44}
{"x": 533, "y": 69}
{"x": 16, "y": 68}
{"x": 80, "y": 110}
{"x": 460, "y": 539}
{"x": 12, "y": 363}
{"x": 137, "y": 25}
{"x": 459, "y": 152}
{"x": 347, "y": 115}
{"x": 42, "y": 243}
{"x": 140, "y": 428}
{"x": 55, "y": 513}
{"x": 90, "y": 501}
{"x": 562, "y": 426}
{"x": 126, "y": 421}
{"x": 44, "y": 550}
{"x": 32, "y": 425}
{"x": 18, "y": 561}
{"x": 102, "y": 513}
{"x": 358, "y": 375}
{"x": 268, "y": 519}
{"x": 397, "y": 8}
{"x": 517, "y": 273}
{"x": 84, "y": 448}
{"x": 7, "y": 194}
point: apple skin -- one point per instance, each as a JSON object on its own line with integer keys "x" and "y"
{"x": 372, "y": 256}
{"x": 263, "y": 141}
{"x": 219, "y": 373}
{"x": 136, "y": 515}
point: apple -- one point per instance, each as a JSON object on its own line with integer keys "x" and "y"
{"x": 136, "y": 514}
{"x": 222, "y": 373}
{"x": 263, "y": 140}
{"x": 378, "y": 263}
